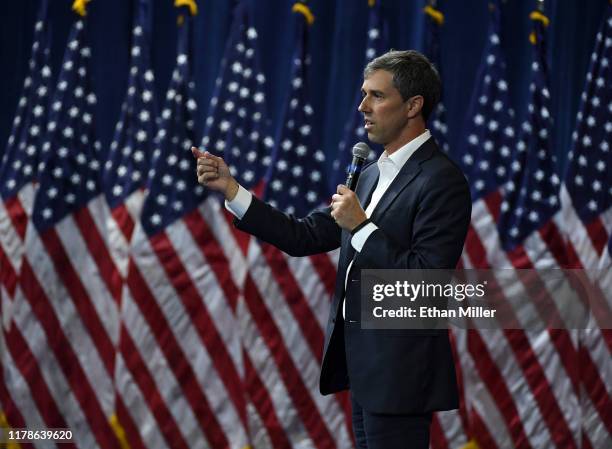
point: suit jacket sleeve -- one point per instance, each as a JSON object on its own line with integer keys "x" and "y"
{"x": 441, "y": 220}
{"x": 313, "y": 234}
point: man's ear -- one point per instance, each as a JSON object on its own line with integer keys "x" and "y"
{"x": 414, "y": 106}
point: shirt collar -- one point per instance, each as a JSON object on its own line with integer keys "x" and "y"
{"x": 401, "y": 156}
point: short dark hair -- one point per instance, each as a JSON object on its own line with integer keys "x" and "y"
{"x": 413, "y": 74}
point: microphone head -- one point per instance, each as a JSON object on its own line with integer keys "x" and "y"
{"x": 361, "y": 150}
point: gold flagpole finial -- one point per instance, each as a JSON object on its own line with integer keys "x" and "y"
{"x": 538, "y": 16}
{"x": 301, "y": 8}
{"x": 191, "y": 4}
{"x": 80, "y": 7}
{"x": 434, "y": 13}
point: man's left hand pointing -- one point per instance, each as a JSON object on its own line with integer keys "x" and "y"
{"x": 346, "y": 210}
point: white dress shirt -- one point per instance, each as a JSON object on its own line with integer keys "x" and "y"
{"x": 388, "y": 167}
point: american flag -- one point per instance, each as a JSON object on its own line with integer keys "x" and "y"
{"x": 434, "y": 22}
{"x": 178, "y": 307}
{"x": 503, "y": 370}
{"x": 237, "y": 126}
{"x": 19, "y": 167}
{"x": 586, "y": 198}
{"x": 288, "y": 298}
{"x": 490, "y": 135}
{"x": 65, "y": 307}
{"x": 125, "y": 170}
{"x": 532, "y": 191}
{"x": 449, "y": 429}
{"x": 587, "y": 187}
{"x": 485, "y": 157}
{"x": 486, "y": 153}
{"x": 538, "y": 368}
{"x": 279, "y": 404}
{"x": 18, "y": 174}
{"x": 123, "y": 178}
{"x": 238, "y": 129}
{"x": 377, "y": 43}
{"x": 214, "y": 340}
{"x": 295, "y": 179}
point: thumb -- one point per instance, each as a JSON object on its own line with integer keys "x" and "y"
{"x": 197, "y": 153}
{"x": 342, "y": 189}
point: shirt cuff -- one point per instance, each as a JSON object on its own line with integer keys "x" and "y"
{"x": 241, "y": 202}
{"x": 360, "y": 237}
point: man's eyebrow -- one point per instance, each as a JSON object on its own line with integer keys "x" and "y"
{"x": 372, "y": 91}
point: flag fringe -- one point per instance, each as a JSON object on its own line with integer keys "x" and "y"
{"x": 119, "y": 431}
{"x": 4, "y": 424}
{"x": 472, "y": 444}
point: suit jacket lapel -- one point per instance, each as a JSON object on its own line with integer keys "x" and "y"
{"x": 365, "y": 188}
{"x": 408, "y": 172}
{"x": 367, "y": 183}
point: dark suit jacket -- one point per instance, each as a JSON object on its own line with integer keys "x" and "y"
{"x": 423, "y": 219}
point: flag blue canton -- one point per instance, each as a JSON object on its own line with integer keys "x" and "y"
{"x": 126, "y": 168}
{"x": 589, "y": 178}
{"x": 21, "y": 158}
{"x": 237, "y": 127}
{"x": 532, "y": 192}
{"x": 295, "y": 181}
{"x": 354, "y": 131}
{"x": 69, "y": 170}
{"x": 172, "y": 187}
{"x": 486, "y": 154}
{"x": 439, "y": 128}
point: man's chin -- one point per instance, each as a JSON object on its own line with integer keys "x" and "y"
{"x": 373, "y": 138}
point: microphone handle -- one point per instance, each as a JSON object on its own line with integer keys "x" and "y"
{"x": 353, "y": 172}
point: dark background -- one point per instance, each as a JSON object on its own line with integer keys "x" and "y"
{"x": 337, "y": 41}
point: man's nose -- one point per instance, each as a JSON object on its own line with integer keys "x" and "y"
{"x": 363, "y": 106}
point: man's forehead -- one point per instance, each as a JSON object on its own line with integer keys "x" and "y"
{"x": 378, "y": 80}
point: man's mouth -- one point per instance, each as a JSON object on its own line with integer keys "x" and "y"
{"x": 368, "y": 124}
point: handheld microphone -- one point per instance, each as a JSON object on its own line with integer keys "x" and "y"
{"x": 360, "y": 154}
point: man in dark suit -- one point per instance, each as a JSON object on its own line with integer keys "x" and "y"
{"x": 410, "y": 210}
